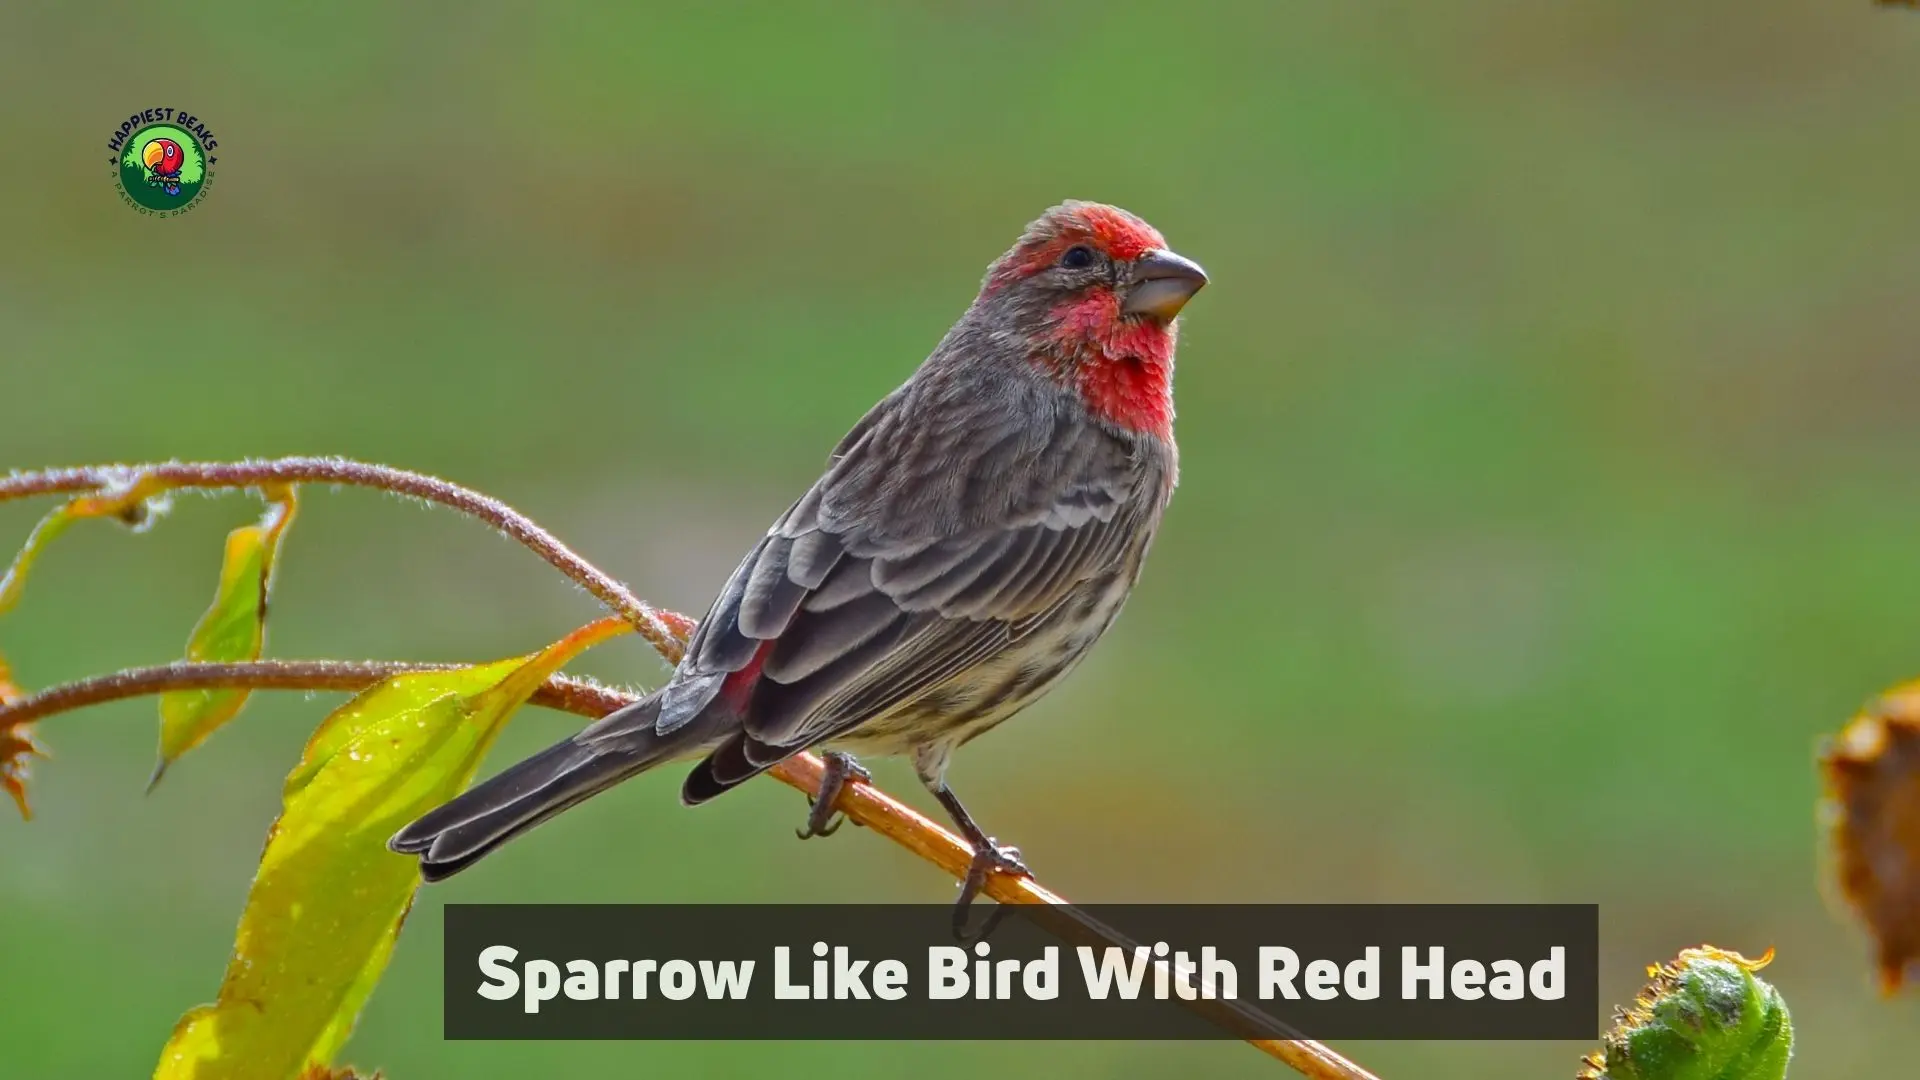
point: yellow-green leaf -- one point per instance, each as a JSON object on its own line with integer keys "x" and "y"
{"x": 16, "y": 741}
{"x": 43, "y": 534}
{"x": 233, "y": 629}
{"x": 127, "y": 501}
{"x": 329, "y": 897}
{"x": 10, "y": 691}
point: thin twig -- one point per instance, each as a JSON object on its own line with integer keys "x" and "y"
{"x": 559, "y": 692}
{"x": 861, "y": 802}
{"x": 665, "y": 631}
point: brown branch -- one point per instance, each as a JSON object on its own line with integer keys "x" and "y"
{"x": 902, "y": 824}
{"x": 861, "y": 802}
{"x": 665, "y": 631}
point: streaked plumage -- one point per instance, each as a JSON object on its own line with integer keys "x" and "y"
{"x": 972, "y": 536}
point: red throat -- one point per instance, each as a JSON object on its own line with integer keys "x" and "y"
{"x": 1125, "y": 367}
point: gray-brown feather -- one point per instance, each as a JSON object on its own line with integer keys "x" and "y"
{"x": 971, "y": 537}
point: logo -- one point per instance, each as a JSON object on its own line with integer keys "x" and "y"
{"x": 162, "y": 160}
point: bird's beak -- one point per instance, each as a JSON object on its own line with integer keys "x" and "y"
{"x": 1162, "y": 283}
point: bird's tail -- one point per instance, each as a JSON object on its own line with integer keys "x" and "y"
{"x": 459, "y": 833}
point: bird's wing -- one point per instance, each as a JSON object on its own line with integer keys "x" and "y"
{"x": 884, "y": 629}
{"x": 918, "y": 554}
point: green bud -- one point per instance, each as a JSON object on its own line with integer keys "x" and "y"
{"x": 1704, "y": 1016}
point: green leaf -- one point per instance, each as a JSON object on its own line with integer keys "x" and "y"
{"x": 329, "y": 898}
{"x": 1704, "y": 1016}
{"x": 233, "y": 629}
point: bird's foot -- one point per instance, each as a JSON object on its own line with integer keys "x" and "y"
{"x": 822, "y": 819}
{"x": 989, "y": 858}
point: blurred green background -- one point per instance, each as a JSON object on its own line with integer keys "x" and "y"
{"x": 1547, "y": 440}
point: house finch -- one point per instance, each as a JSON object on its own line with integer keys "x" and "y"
{"x": 972, "y": 537}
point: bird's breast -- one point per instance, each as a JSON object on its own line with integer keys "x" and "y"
{"x": 981, "y": 697}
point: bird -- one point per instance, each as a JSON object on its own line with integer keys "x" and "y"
{"x": 970, "y": 539}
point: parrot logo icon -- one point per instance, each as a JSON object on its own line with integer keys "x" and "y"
{"x": 162, "y": 160}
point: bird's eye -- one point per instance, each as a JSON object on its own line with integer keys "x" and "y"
{"x": 1077, "y": 257}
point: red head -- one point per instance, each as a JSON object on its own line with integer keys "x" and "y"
{"x": 1096, "y": 292}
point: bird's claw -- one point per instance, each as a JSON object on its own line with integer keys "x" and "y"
{"x": 989, "y": 858}
{"x": 810, "y": 830}
{"x": 822, "y": 819}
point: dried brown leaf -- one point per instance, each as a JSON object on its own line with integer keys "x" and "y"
{"x": 16, "y": 746}
{"x": 1872, "y": 774}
